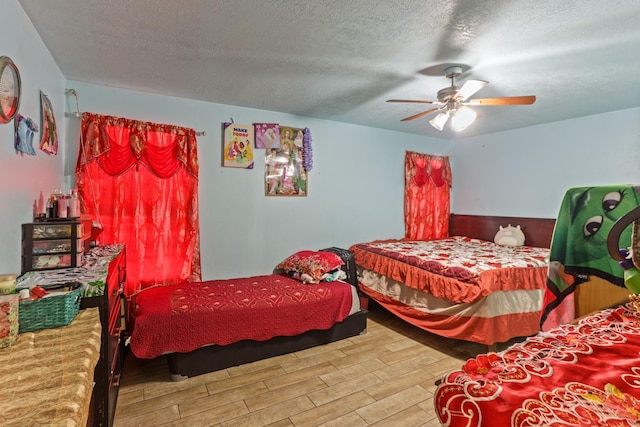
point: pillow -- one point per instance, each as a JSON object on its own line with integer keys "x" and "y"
{"x": 310, "y": 266}
{"x": 509, "y": 236}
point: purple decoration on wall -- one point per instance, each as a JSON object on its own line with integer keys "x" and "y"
{"x": 307, "y": 151}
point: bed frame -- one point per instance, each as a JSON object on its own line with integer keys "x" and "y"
{"x": 537, "y": 231}
{"x": 214, "y": 357}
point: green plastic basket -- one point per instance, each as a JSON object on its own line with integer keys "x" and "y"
{"x": 49, "y": 312}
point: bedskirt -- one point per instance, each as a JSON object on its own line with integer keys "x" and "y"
{"x": 46, "y": 377}
{"x": 494, "y": 318}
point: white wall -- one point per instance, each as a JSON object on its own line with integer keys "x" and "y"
{"x": 525, "y": 172}
{"x": 22, "y": 177}
{"x": 355, "y": 188}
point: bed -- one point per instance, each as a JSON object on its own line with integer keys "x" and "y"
{"x": 487, "y": 300}
{"x": 584, "y": 373}
{"x": 47, "y": 376}
{"x": 207, "y": 326}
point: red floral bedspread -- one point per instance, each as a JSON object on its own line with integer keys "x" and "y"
{"x": 574, "y": 375}
{"x": 461, "y": 258}
{"x": 184, "y": 317}
{"x": 459, "y": 269}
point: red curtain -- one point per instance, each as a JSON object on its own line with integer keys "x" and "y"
{"x": 426, "y": 196}
{"x": 139, "y": 180}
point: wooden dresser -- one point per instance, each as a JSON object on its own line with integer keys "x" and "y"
{"x": 102, "y": 276}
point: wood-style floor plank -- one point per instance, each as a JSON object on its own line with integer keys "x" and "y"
{"x": 384, "y": 377}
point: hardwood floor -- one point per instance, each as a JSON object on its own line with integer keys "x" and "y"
{"x": 385, "y": 377}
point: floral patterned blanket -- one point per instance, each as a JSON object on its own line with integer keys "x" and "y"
{"x": 459, "y": 269}
{"x": 574, "y": 375}
{"x": 462, "y": 258}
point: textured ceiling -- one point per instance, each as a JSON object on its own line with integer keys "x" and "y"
{"x": 342, "y": 59}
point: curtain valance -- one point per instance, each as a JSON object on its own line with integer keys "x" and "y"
{"x": 423, "y": 167}
{"x": 119, "y": 144}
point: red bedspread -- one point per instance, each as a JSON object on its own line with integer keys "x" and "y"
{"x": 458, "y": 269}
{"x": 575, "y": 375}
{"x": 184, "y": 317}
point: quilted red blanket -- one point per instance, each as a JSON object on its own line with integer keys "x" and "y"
{"x": 187, "y": 316}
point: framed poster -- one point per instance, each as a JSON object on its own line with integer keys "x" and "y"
{"x": 237, "y": 146}
{"x": 284, "y": 171}
{"x": 267, "y": 135}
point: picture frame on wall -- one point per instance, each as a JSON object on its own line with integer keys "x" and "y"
{"x": 284, "y": 171}
{"x": 238, "y": 142}
{"x": 267, "y": 135}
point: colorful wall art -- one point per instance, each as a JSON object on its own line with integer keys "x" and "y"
{"x": 284, "y": 171}
{"x": 267, "y": 135}
{"x": 238, "y": 145}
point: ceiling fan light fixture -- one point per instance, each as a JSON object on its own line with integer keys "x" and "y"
{"x": 462, "y": 118}
{"x": 440, "y": 120}
{"x": 453, "y": 101}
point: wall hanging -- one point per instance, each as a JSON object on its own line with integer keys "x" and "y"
{"x": 25, "y": 131}
{"x": 10, "y": 89}
{"x": 49, "y": 141}
{"x": 285, "y": 174}
{"x": 238, "y": 145}
{"x": 307, "y": 150}
{"x": 267, "y": 135}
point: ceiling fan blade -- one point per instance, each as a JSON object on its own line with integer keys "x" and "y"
{"x": 508, "y": 100}
{"x": 424, "y": 113}
{"x": 417, "y": 101}
{"x": 470, "y": 87}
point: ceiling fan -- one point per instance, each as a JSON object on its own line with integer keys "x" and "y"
{"x": 453, "y": 102}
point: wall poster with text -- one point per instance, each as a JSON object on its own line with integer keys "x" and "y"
{"x": 238, "y": 145}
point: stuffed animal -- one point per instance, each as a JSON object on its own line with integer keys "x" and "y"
{"x": 509, "y": 236}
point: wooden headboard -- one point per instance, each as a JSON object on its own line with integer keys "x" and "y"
{"x": 537, "y": 231}
{"x": 591, "y": 296}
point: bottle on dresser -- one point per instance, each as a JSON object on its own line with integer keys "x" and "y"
{"x": 74, "y": 204}
{"x": 62, "y": 205}
{"x": 52, "y": 206}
